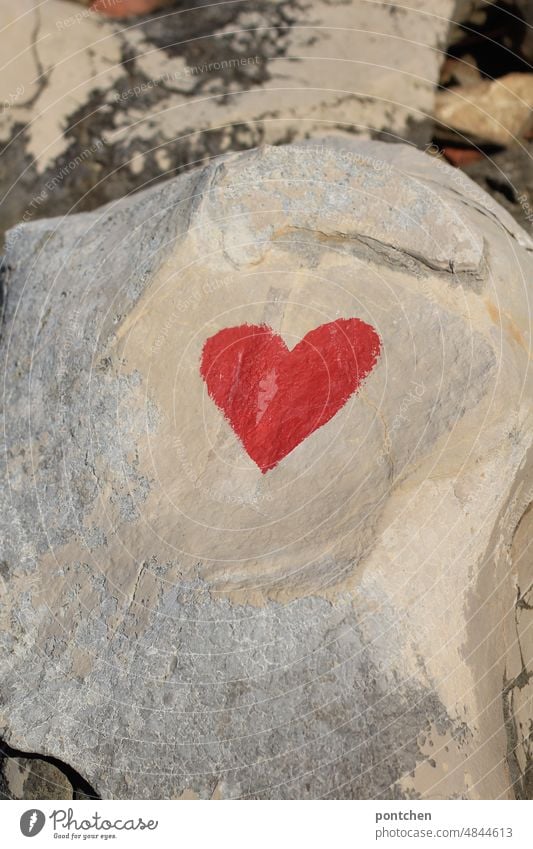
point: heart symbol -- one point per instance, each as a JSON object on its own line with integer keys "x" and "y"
{"x": 275, "y": 398}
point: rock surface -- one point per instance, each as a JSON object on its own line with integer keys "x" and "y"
{"x": 94, "y": 109}
{"x": 498, "y": 111}
{"x": 24, "y": 778}
{"x": 177, "y": 624}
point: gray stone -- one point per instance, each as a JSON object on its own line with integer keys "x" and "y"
{"x": 176, "y": 624}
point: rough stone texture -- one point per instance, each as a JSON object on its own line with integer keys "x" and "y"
{"x": 26, "y": 778}
{"x": 94, "y": 109}
{"x": 176, "y": 624}
{"x": 24, "y": 775}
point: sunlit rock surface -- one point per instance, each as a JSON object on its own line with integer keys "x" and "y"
{"x": 176, "y": 621}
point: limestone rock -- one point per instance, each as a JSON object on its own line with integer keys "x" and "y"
{"x": 27, "y": 778}
{"x": 177, "y": 623}
{"x": 492, "y": 111}
{"x": 94, "y": 110}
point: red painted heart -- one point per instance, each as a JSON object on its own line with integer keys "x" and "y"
{"x": 275, "y": 398}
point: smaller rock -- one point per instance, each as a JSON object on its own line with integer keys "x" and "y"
{"x": 33, "y": 778}
{"x": 460, "y": 156}
{"x": 491, "y": 112}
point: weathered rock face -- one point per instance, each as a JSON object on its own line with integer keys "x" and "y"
{"x": 178, "y": 622}
{"x": 94, "y": 109}
{"x": 23, "y": 778}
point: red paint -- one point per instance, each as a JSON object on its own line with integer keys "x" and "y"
{"x": 460, "y": 156}
{"x": 275, "y": 398}
{"x": 126, "y": 8}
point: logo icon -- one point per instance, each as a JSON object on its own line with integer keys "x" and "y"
{"x": 32, "y": 822}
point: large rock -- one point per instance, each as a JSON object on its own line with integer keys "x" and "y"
{"x": 178, "y": 623}
{"x": 94, "y": 109}
{"x": 24, "y": 776}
